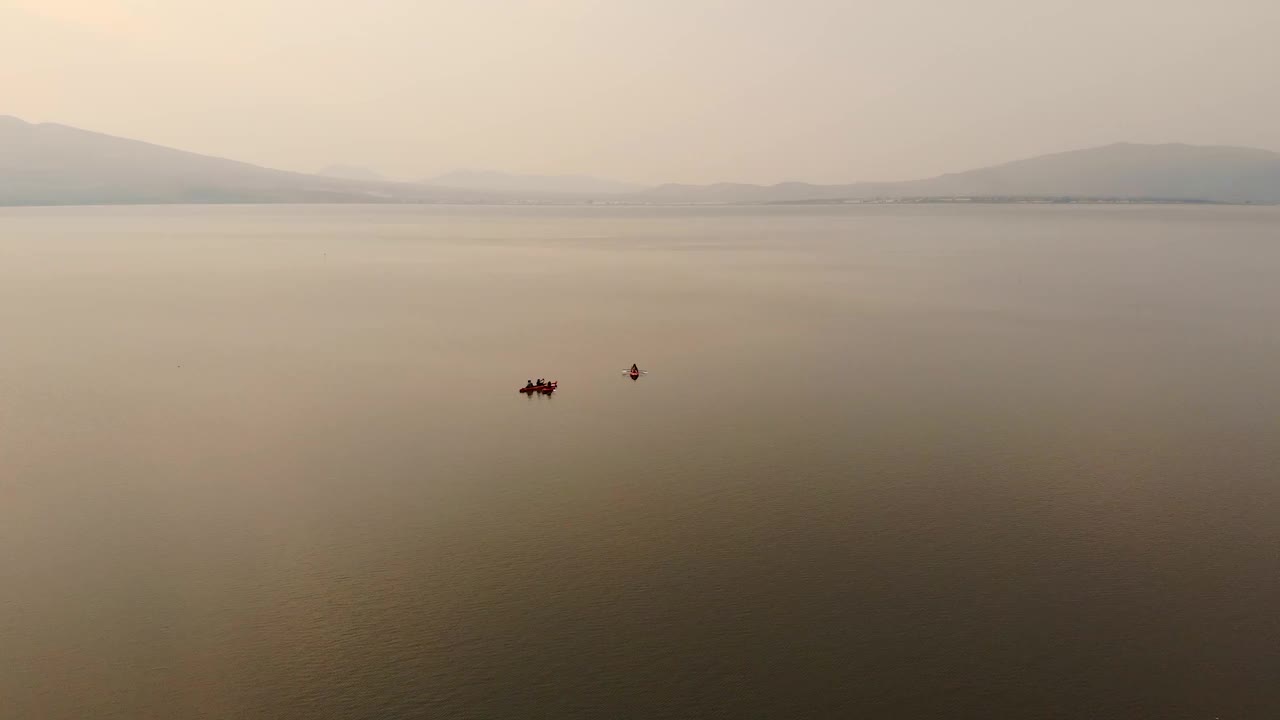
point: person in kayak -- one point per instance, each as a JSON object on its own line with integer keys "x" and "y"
{"x": 528, "y": 384}
{"x": 634, "y": 368}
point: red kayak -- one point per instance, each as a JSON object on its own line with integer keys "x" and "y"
{"x": 545, "y": 389}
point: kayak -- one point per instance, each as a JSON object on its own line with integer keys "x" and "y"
{"x": 546, "y": 389}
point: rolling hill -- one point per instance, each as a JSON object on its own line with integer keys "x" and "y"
{"x": 52, "y": 164}
{"x": 1120, "y": 171}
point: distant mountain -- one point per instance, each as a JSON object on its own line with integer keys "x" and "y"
{"x": 532, "y": 184}
{"x": 1121, "y": 171}
{"x": 350, "y": 172}
{"x": 51, "y": 164}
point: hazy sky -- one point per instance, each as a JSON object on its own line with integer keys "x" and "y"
{"x": 647, "y": 90}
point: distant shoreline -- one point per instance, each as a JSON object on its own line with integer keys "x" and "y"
{"x": 1010, "y": 200}
{"x": 974, "y": 200}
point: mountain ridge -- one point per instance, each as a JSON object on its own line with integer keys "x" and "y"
{"x": 55, "y": 164}
{"x": 1125, "y": 170}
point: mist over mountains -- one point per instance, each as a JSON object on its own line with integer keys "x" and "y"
{"x": 351, "y": 172}
{"x": 52, "y": 164}
{"x": 510, "y": 183}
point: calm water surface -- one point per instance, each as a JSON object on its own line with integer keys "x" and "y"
{"x": 894, "y": 462}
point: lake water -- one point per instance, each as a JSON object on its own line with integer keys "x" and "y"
{"x": 892, "y": 462}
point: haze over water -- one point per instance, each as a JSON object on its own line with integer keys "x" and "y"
{"x": 901, "y": 462}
